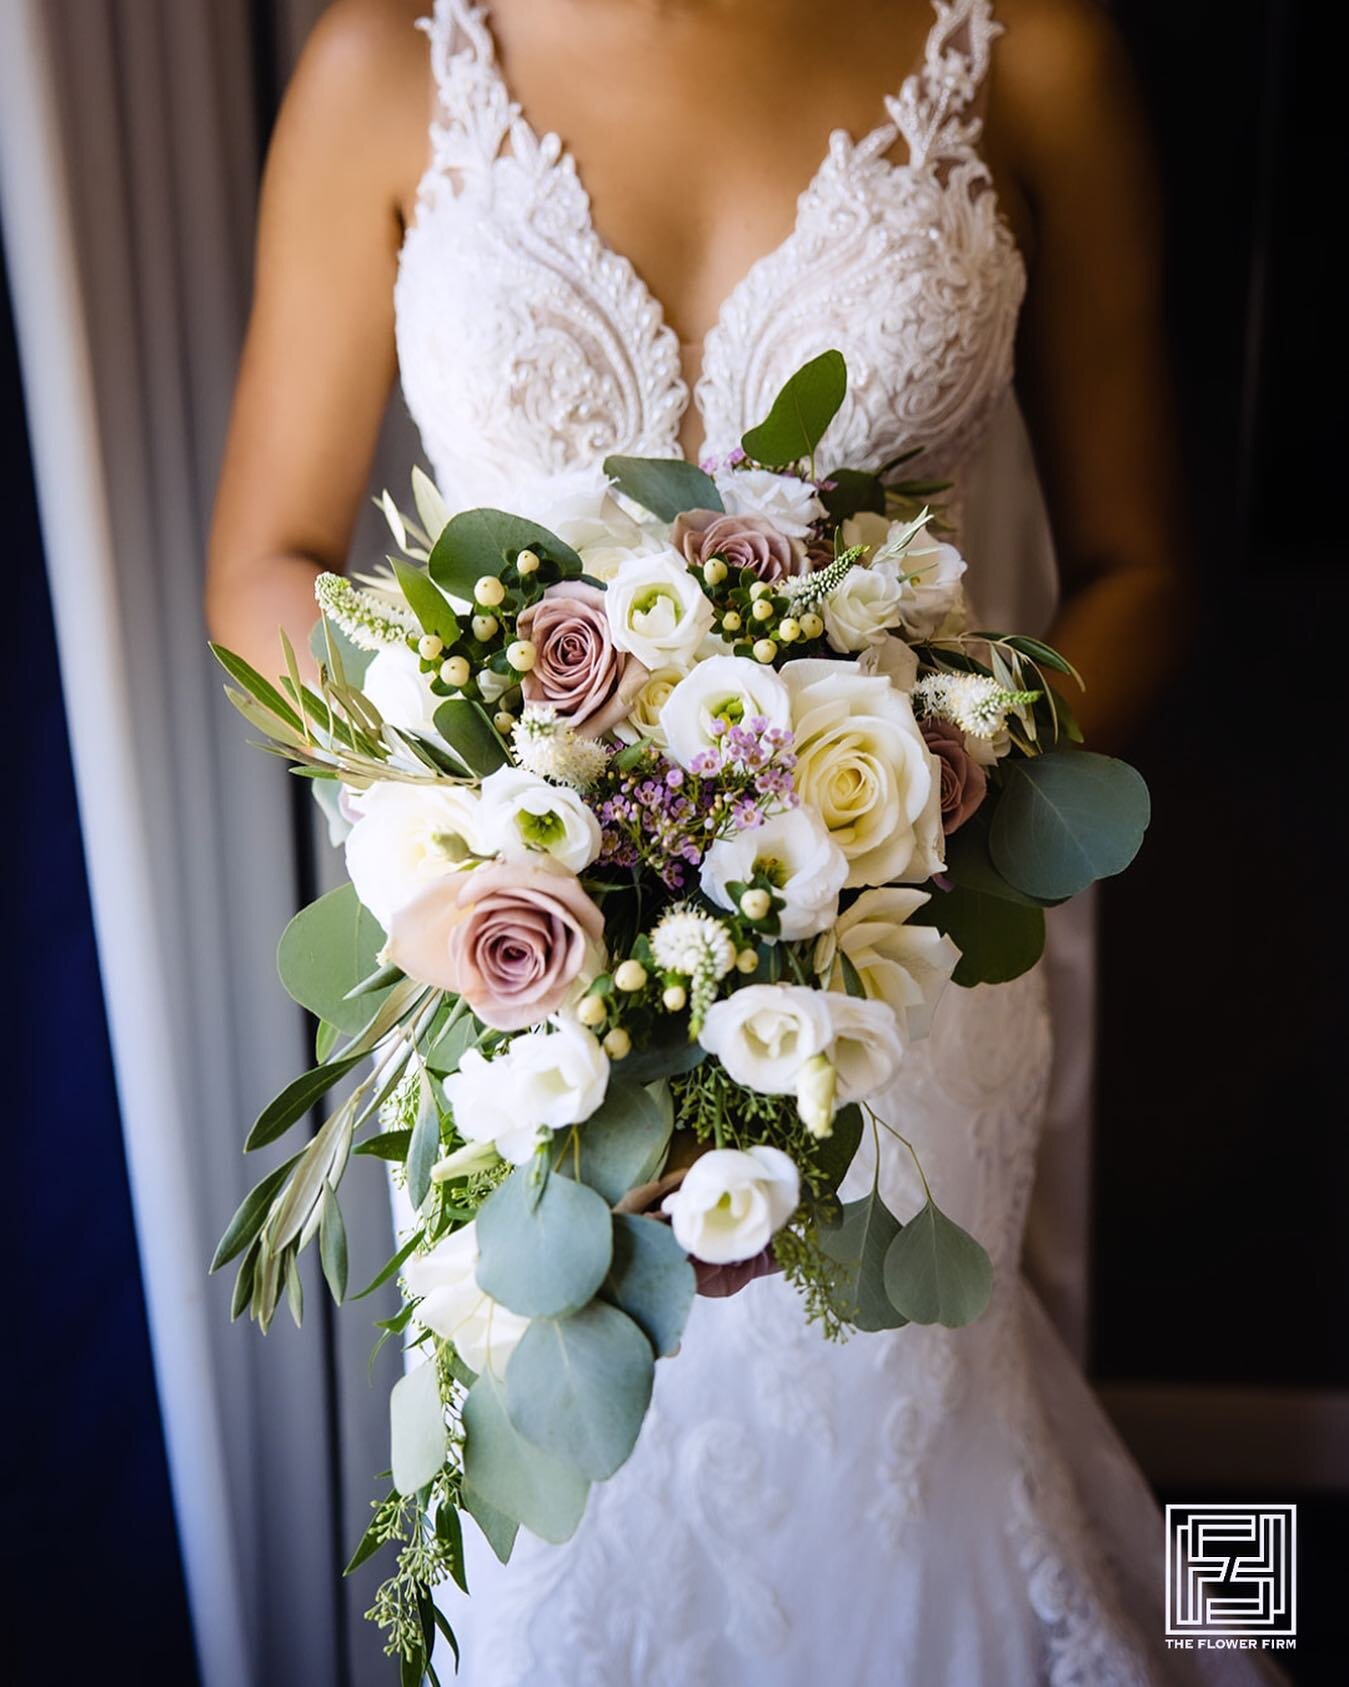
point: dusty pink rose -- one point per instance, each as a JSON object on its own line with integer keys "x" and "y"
{"x": 509, "y": 938}
{"x": 578, "y": 670}
{"x": 963, "y": 782}
{"x": 741, "y": 541}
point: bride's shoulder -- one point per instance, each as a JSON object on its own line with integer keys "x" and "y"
{"x": 366, "y": 48}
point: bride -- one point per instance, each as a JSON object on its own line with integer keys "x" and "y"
{"x": 738, "y": 185}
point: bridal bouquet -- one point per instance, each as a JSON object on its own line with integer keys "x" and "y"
{"x": 666, "y": 823}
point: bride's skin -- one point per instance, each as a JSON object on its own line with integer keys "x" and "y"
{"x": 695, "y": 125}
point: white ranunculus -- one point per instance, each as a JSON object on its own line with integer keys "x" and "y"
{"x": 395, "y": 684}
{"x": 791, "y": 504}
{"x": 894, "y": 660}
{"x": 806, "y": 865}
{"x": 732, "y": 1203}
{"x": 765, "y": 1033}
{"x": 862, "y": 608}
{"x": 557, "y": 1077}
{"x": 862, "y": 765}
{"x": 482, "y": 1096}
{"x": 644, "y": 716}
{"x": 407, "y": 836}
{"x": 484, "y": 1332}
{"x": 931, "y": 569}
{"x": 657, "y": 610}
{"x": 905, "y": 966}
{"x": 865, "y": 1050}
{"x": 725, "y": 689}
{"x": 523, "y": 814}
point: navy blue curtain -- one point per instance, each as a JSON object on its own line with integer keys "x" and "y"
{"x": 88, "y": 1518}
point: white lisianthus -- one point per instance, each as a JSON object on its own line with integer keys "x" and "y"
{"x": 817, "y": 1095}
{"x": 725, "y": 689}
{"x": 805, "y": 864}
{"x": 930, "y": 570}
{"x": 732, "y": 1203}
{"x": 862, "y": 608}
{"x": 395, "y": 684}
{"x": 905, "y": 966}
{"x": 644, "y": 716}
{"x": 557, "y": 1077}
{"x": 764, "y": 1034}
{"x": 484, "y": 1332}
{"x": 865, "y": 1049}
{"x": 657, "y": 610}
{"x": 407, "y": 836}
{"x": 482, "y": 1096}
{"x": 893, "y": 659}
{"x": 863, "y": 766}
{"x": 524, "y": 814}
{"x": 791, "y": 504}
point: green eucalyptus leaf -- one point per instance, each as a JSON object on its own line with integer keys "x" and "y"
{"x": 969, "y": 865}
{"x": 835, "y": 1152}
{"x": 424, "y": 1144}
{"x": 578, "y": 1387}
{"x": 419, "y": 1443}
{"x": 664, "y": 1054}
{"x": 543, "y": 1252}
{"x": 859, "y": 1240}
{"x": 498, "y": 1529}
{"x": 850, "y": 491}
{"x": 1066, "y": 819}
{"x": 507, "y": 1476}
{"x": 998, "y": 939}
{"x": 443, "y": 1054}
{"x": 936, "y": 1273}
{"x": 296, "y": 1100}
{"x": 801, "y": 413}
{"x": 479, "y": 542}
{"x": 467, "y": 728}
{"x": 428, "y": 603}
{"x": 388, "y": 1145}
{"x": 651, "y": 1279}
{"x": 617, "y": 1143}
{"x": 325, "y": 951}
{"x": 668, "y": 487}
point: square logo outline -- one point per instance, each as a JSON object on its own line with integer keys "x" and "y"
{"x": 1287, "y": 1578}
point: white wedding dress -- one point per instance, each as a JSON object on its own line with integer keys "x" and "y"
{"x": 924, "y": 1507}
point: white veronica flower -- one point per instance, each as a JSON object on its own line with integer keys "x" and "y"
{"x": 726, "y": 690}
{"x": 523, "y": 814}
{"x": 657, "y": 610}
{"x": 765, "y": 1033}
{"x": 862, "y": 608}
{"x": 863, "y": 766}
{"x": 732, "y": 1202}
{"x": 791, "y": 504}
{"x": 484, "y": 1332}
{"x": 406, "y": 837}
{"x": 865, "y": 1049}
{"x": 395, "y": 684}
{"x": 544, "y": 1080}
{"x": 905, "y": 966}
{"x": 795, "y": 849}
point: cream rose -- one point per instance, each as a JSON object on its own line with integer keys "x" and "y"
{"x": 657, "y": 610}
{"x": 862, "y": 765}
{"x": 733, "y": 1202}
{"x": 805, "y": 864}
{"x": 720, "y": 692}
{"x": 905, "y": 966}
{"x": 407, "y": 837}
{"x": 931, "y": 571}
{"x": 862, "y": 608}
{"x": 644, "y": 716}
{"x": 484, "y": 1332}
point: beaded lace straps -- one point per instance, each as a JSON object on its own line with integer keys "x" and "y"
{"x": 935, "y": 110}
{"x": 473, "y": 111}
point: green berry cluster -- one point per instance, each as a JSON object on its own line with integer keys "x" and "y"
{"x": 755, "y": 618}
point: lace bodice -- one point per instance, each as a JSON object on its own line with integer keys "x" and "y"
{"x": 528, "y": 346}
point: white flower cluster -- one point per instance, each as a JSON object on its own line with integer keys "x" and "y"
{"x": 548, "y": 747}
{"x": 370, "y": 619}
{"x": 700, "y": 949}
{"x": 975, "y": 703}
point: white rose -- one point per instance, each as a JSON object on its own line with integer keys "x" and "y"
{"x": 865, "y": 1050}
{"x": 862, "y": 608}
{"x": 806, "y": 865}
{"x": 557, "y": 1077}
{"x": 657, "y": 610}
{"x": 725, "y": 689}
{"x": 791, "y": 504}
{"x": 644, "y": 716}
{"x": 930, "y": 569}
{"x": 484, "y": 1332}
{"x": 905, "y": 966}
{"x": 862, "y": 765}
{"x": 395, "y": 684}
{"x": 523, "y": 814}
{"x": 482, "y": 1096}
{"x": 407, "y": 836}
{"x": 732, "y": 1202}
{"x": 764, "y": 1034}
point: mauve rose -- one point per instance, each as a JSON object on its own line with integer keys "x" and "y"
{"x": 510, "y": 938}
{"x": 963, "y": 782}
{"x": 741, "y": 541}
{"x": 578, "y": 670}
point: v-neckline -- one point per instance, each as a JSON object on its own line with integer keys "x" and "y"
{"x": 563, "y": 158}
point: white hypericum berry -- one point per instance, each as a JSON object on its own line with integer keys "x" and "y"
{"x": 429, "y": 647}
{"x": 812, "y": 625}
{"x": 731, "y": 621}
{"x": 630, "y": 975}
{"x": 674, "y": 998}
{"x": 485, "y": 627}
{"x": 592, "y": 1011}
{"x": 618, "y": 1044}
{"x": 454, "y": 671}
{"x": 522, "y": 655}
{"x": 765, "y": 650}
{"x": 526, "y": 563}
{"x": 789, "y": 631}
{"x": 756, "y": 904}
{"x": 489, "y": 591}
{"x": 747, "y": 961}
{"x": 714, "y": 571}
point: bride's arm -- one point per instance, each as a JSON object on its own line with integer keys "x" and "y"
{"x": 1093, "y": 362}
{"x": 319, "y": 356}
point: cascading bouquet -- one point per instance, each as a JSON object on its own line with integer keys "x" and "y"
{"x": 665, "y": 830}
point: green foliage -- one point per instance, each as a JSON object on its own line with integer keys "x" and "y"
{"x": 936, "y": 1273}
{"x": 296, "y": 1100}
{"x": 1065, "y": 819}
{"x": 858, "y": 1241}
{"x": 543, "y": 1253}
{"x": 333, "y": 1245}
{"x": 251, "y": 1214}
{"x": 998, "y": 939}
{"x": 418, "y": 1438}
{"x": 479, "y": 542}
{"x": 500, "y": 1531}
{"x": 579, "y": 1386}
{"x": 326, "y": 637}
{"x": 513, "y": 1476}
{"x": 428, "y": 602}
{"x": 665, "y": 486}
{"x": 850, "y": 491}
{"x": 424, "y": 1143}
{"x": 616, "y": 1147}
{"x": 325, "y": 951}
{"x": 651, "y": 1279}
{"x": 969, "y": 865}
{"x": 467, "y": 728}
{"x": 800, "y": 413}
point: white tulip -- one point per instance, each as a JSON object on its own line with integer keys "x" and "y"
{"x": 657, "y": 610}
{"x": 865, "y": 1050}
{"x": 905, "y": 966}
{"x": 796, "y": 851}
{"x": 484, "y": 1332}
{"x": 765, "y": 1033}
{"x": 407, "y": 836}
{"x": 791, "y": 504}
{"x": 732, "y": 1202}
{"x": 523, "y": 815}
{"x": 862, "y": 608}
{"x": 727, "y": 690}
{"x": 862, "y": 765}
